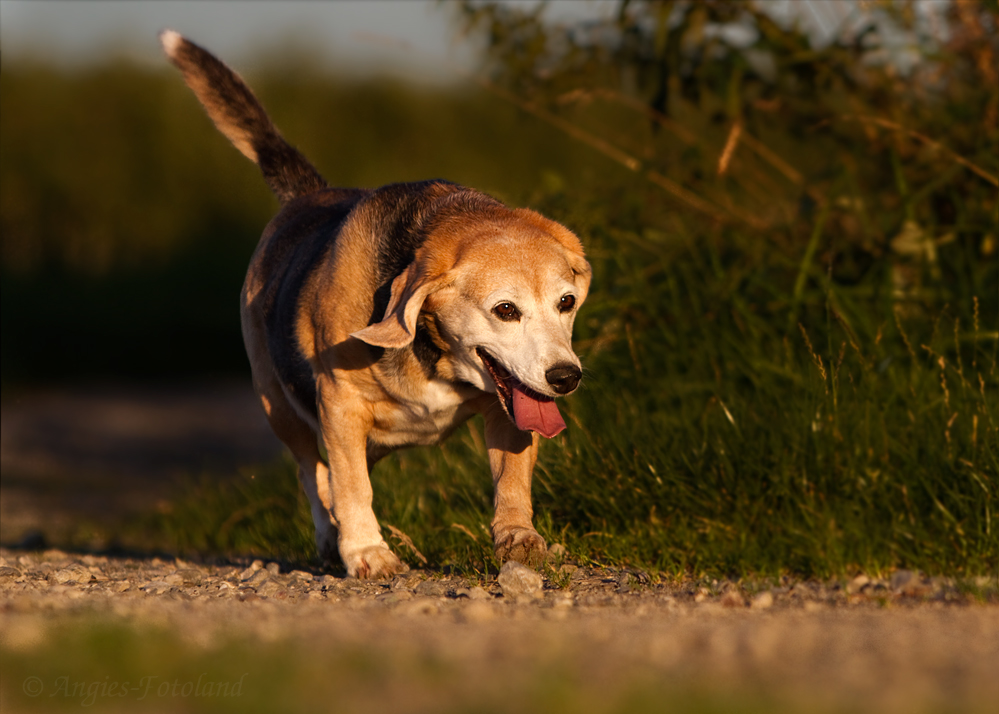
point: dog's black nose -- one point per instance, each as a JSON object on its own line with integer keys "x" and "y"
{"x": 564, "y": 378}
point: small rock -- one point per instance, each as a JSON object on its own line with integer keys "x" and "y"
{"x": 74, "y": 573}
{"x": 269, "y": 588}
{"x": 733, "y": 598}
{"x": 185, "y": 577}
{"x": 556, "y": 554}
{"x": 903, "y": 580}
{"x": 479, "y": 593}
{"x": 762, "y": 601}
{"x": 156, "y": 587}
{"x": 258, "y": 577}
{"x": 518, "y": 580}
{"x": 9, "y": 572}
{"x": 568, "y": 570}
{"x": 431, "y": 588}
{"x": 393, "y": 596}
{"x": 857, "y": 584}
{"x": 254, "y": 567}
{"x": 300, "y": 575}
{"x": 274, "y": 568}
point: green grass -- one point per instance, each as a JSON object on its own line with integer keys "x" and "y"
{"x": 716, "y": 446}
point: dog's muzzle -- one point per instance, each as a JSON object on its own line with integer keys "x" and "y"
{"x": 529, "y": 410}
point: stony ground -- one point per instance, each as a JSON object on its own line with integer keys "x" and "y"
{"x": 905, "y": 644}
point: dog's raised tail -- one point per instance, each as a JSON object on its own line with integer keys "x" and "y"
{"x": 238, "y": 115}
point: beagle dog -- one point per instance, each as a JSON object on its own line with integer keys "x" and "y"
{"x": 381, "y": 318}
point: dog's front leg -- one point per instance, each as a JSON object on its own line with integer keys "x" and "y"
{"x": 512, "y": 454}
{"x": 345, "y": 425}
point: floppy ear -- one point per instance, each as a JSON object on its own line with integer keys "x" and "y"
{"x": 398, "y": 327}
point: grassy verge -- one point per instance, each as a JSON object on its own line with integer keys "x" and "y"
{"x": 715, "y": 446}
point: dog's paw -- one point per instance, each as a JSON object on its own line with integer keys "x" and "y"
{"x": 525, "y": 545}
{"x": 373, "y": 562}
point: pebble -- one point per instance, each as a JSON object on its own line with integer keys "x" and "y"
{"x": 762, "y": 601}
{"x": 270, "y": 588}
{"x": 156, "y": 587}
{"x": 556, "y": 554}
{"x": 254, "y": 567}
{"x": 733, "y": 598}
{"x": 857, "y": 584}
{"x": 517, "y": 580}
{"x": 479, "y": 593}
{"x": 431, "y": 588}
{"x": 904, "y": 581}
{"x": 74, "y": 573}
{"x": 257, "y": 578}
{"x": 186, "y": 576}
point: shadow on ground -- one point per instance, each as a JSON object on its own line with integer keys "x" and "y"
{"x": 91, "y": 457}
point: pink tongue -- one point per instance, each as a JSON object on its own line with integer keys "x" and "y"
{"x": 535, "y": 413}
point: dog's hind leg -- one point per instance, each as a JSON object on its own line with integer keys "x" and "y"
{"x": 290, "y": 427}
{"x": 313, "y": 472}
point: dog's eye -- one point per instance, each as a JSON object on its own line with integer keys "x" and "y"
{"x": 507, "y": 311}
{"x": 566, "y": 303}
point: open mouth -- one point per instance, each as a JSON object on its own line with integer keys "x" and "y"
{"x": 528, "y": 409}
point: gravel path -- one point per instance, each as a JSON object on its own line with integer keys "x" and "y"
{"x": 904, "y": 645}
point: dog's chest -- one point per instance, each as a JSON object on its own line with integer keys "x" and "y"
{"x": 424, "y": 418}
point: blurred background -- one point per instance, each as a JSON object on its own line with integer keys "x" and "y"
{"x": 790, "y": 208}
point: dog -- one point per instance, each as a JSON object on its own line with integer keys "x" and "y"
{"x": 376, "y": 319}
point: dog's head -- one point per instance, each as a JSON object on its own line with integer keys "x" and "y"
{"x": 502, "y": 294}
